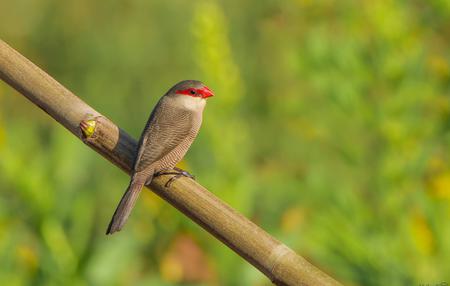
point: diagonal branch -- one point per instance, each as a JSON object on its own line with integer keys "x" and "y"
{"x": 278, "y": 262}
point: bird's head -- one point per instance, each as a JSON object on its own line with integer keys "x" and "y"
{"x": 191, "y": 88}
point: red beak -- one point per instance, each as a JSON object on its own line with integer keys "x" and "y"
{"x": 206, "y": 92}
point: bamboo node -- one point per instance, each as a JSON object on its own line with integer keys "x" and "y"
{"x": 88, "y": 127}
{"x": 276, "y": 254}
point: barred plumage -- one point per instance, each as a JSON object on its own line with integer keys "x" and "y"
{"x": 172, "y": 127}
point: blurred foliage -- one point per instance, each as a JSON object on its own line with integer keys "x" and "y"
{"x": 330, "y": 128}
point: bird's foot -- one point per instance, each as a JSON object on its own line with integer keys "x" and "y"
{"x": 177, "y": 172}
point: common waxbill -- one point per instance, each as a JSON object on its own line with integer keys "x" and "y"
{"x": 168, "y": 134}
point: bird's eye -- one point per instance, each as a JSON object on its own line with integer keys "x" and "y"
{"x": 192, "y": 91}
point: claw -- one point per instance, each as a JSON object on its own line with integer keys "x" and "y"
{"x": 169, "y": 182}
{"x": 177, "y": 172}
{"x": 184, "y": 173}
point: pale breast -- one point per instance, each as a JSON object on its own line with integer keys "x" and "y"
{"x": 170, "y": 132}
{"x": 179, "y": 149}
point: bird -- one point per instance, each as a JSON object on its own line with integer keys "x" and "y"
{"x": 170, "y": 130}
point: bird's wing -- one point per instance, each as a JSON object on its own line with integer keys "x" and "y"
{"x": 165, "y": 130}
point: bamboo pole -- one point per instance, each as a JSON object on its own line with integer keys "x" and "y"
{"x": 278, "y": 262}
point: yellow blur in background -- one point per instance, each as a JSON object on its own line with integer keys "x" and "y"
{"x": 330, "y": 129}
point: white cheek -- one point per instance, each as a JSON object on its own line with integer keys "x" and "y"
{"x": 192, "y": 103}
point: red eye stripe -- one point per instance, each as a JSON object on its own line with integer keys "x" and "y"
{"x": 188, "y": 91}
{"x": 203, "y": 92}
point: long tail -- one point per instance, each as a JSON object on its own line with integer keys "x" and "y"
{"x": 126, "y": 204}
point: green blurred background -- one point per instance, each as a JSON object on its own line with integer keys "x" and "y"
{"x": 330, "y": 129}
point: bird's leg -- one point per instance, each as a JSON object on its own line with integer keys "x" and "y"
{"x": 177, "y": 172}
{"x": 184, "y": 173}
